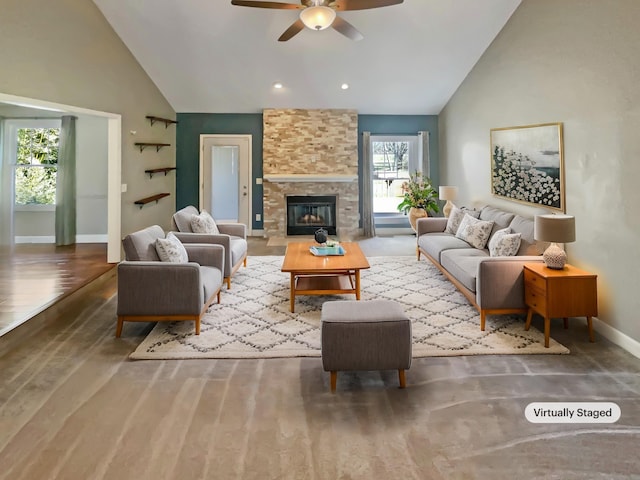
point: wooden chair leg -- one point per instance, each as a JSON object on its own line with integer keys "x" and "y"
{"x": 418, "y": 253}
{"x": 198, "y": 326}
{"x": 402, "y": 378}
{"x": 483, "y": 318}
{"x": 119, "y": 327}
{"x": 245, "y": 262}
{"x": 334, "y": 381}
{"x": 218, "y": 297}
{"x": 228, "y": 280}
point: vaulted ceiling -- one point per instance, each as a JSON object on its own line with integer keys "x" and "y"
{"x": 211, "y": 56}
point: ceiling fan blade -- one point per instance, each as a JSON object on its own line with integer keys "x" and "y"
{"x": 277, "y": 5}
{"x": 346, "y": 29}
{"x": 344, "y": 5}
{"x": 295, "y": 28}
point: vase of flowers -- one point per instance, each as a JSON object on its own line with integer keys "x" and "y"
{"x": 419, "y": 198}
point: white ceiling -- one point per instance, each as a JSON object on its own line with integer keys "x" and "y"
{"x": 210, "y": 56}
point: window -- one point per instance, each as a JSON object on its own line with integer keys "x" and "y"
{"x": 394, "y": 157}
{"x": 34, "y": 148}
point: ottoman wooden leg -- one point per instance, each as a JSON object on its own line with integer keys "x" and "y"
{"x": 402, "y": 378}
{"x": 334, "y": 381}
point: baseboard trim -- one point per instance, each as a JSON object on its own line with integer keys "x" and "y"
{"x": 616, "y": 336}
{"x": 86, "y": 238}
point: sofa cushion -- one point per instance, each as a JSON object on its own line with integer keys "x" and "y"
{"x": 211, "y": 280}
{"x": 473, "y": 231}
{"x": 436, "y": 242}
{"x": 170, "y": 249}
{"x": 204, "y": 223}
{"x": 524, "y": 226}
{"x": 141, "y": 245}
{"x": 463, "y": 265}
{"x": 238, "y": 249}
{"x": 504, "y": 243}
{"x": 500, "y": 218}
{"x": 456, "y": 216}
{"x": 182, "y": 218}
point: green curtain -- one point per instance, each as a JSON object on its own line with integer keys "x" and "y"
{"x": 66, "y": 183}
{"x": 423, "y": 147}
{"x": 368, "y": 222}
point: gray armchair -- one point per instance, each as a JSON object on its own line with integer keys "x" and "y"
{"x": 150, "y": 290}
{"x": 233, "y": 237}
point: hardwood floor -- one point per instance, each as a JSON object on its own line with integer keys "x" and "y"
{"x": 35, "y": 276}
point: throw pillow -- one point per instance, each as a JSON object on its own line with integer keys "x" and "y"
{"x": 204, "y": 223}
{"x": 473, "y": 231}
{"x": 170, "y": 249}
{"x": 456, "y": 216}
{"x": 503, "y": 243}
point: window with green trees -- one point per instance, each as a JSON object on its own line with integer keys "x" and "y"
{"x": 36, "y": 166}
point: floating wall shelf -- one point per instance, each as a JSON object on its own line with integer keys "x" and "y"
{"x": 157, "y": 145}
{"x": 166, "y": 121}
{"x": 153, "y": 198}
{"x": 164, "y": 170}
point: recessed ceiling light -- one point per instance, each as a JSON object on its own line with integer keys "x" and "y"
{"x": 277, "y": 85}
{"x": 344, "y": 86}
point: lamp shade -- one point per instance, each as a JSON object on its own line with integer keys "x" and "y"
{"x": 318, "y": 17}
{"x": 447, "y": 192}
{"x": 555, "y": 228}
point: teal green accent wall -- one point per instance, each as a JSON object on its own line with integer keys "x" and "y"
{"x": 189, "y": 128}
{"x": 191, "y": 125}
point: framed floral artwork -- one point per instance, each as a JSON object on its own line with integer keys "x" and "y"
{"x": 527, "y": 164}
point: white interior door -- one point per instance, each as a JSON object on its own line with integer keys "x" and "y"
{"x": 225, "y": 177}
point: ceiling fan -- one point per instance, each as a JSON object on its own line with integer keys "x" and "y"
{"x": 320, "y": 14}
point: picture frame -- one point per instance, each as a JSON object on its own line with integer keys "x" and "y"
{"x": 527, "y": 165}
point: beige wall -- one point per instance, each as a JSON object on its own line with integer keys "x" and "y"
{"x": 575, "y": 62}
{"x": 66, "y": 52}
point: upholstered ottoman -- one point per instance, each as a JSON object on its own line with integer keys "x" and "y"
{"x": 365, "y": 335}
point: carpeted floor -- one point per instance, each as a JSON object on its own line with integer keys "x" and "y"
{"x": 254, "y": 320}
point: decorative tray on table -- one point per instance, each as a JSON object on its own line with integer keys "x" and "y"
{"x": 323, "y": 251}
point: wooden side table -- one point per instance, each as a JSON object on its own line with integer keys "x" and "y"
{"x": 570, "y": 292}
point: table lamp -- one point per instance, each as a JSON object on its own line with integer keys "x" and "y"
{"x": 447, "y": 193}
{"x": 555, "y": 229}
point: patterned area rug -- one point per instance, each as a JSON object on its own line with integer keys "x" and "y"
{"x": 254, "y": 321}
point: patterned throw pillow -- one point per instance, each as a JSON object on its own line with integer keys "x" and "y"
{"x": 456, "y": 216}
{"x": 170, "y": 249}
{"x": 473, "y": 231}
{"x": 503, "y": 243}
{"x": 204, "y": 223}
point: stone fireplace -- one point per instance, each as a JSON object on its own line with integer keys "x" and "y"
{"x": 310, "y": 153}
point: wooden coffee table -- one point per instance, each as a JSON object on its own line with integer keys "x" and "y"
{"x": 327, "y": 275}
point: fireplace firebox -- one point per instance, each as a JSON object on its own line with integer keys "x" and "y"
{"x": 307, "y": 213}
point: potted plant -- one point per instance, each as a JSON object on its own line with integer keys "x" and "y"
{"x": 419, "y": 198}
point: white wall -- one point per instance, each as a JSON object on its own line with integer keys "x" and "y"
{"x": 575, "y": 62}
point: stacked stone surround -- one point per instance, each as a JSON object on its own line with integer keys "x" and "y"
{"x": 312, "y": 142}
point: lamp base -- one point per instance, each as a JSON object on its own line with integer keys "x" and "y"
{"x": 554, "y": 257}
{"x": 447, "y": 208}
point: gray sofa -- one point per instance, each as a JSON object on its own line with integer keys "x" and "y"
{"x": 494, "y": 285}
{"x": 150, "y": 290}
{"x": 233, "y": 237}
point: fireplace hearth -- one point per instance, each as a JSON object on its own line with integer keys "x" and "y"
{"x": 308, "y": 213}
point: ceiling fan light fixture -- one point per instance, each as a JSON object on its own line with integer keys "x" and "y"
{"x": 318, "y": 17}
